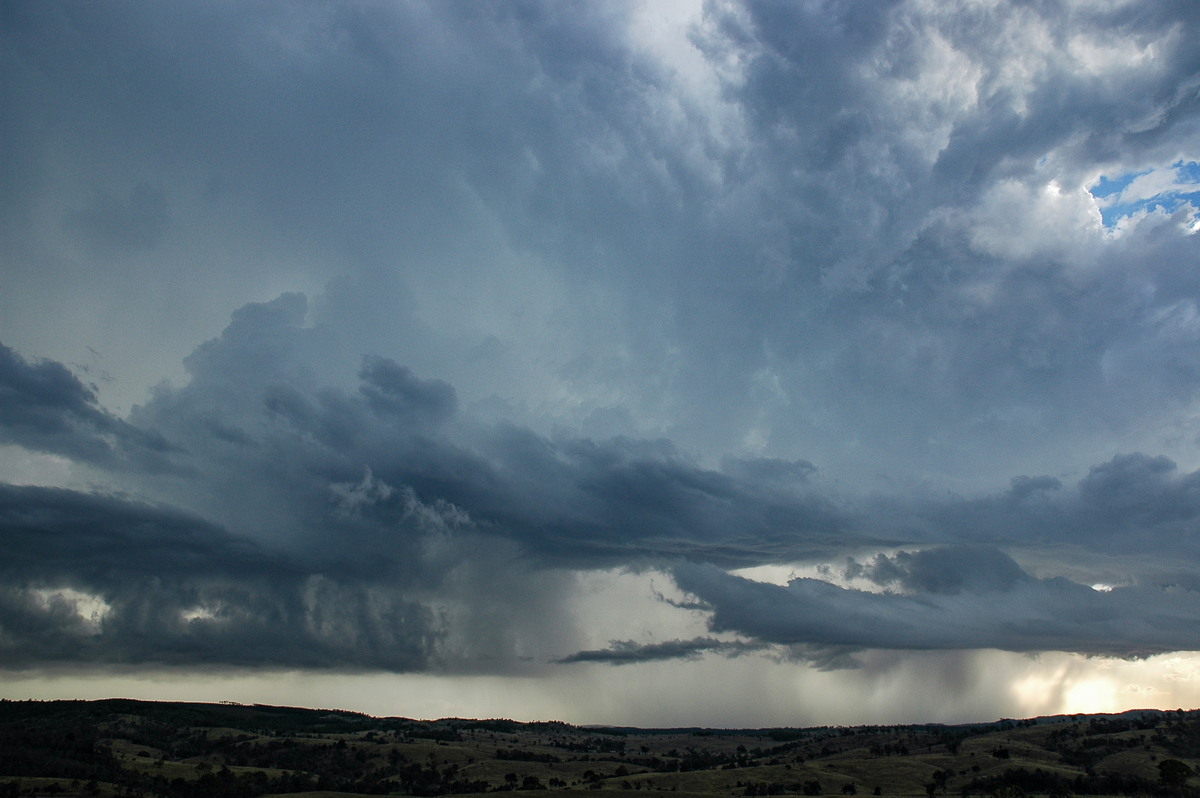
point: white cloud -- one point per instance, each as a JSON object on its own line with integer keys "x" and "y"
{"x": 1021, "y": 222}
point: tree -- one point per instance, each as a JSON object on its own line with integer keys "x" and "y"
{"x": 1173, "y": 773}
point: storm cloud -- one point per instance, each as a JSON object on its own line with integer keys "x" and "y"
{"x": 105, "y": 580}
{"x": 375, "y": 337}
{"x": 45, "y": 407}
{"x": 370, "y": 499}
{"x": 625, "y": 652}
{"x": 951, "y": 599}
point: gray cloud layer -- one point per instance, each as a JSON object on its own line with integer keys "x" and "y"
{"x": 952, "y": 598}
{"x": 334, "y": 506}
{"x": 177, "y": 590}
{"x": 46, "y": 408}
{"x": 627, "y": 652}
{"x": 524, "y": 288}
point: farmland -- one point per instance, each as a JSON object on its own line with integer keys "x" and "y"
{"x": 125, "y": 747}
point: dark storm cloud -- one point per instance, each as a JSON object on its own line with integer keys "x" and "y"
{"x": 365, "y": 503}
{"x": 626, "y": 499}
{"x": 342, "y": 515}
{"x": 271, "y": 441}
{"x": 104, "y": 537}
{"x": 393, "y": 389}
{"x": 951, "y": 598}
{"x": 102, "y": 579}
{"x": 44, "y": 407}
{"x": 626, "y": 652}
{"x": 1129, "y": 519}
{"x": 1132, "y": 505}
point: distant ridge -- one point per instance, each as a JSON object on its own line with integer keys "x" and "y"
{"x": 150, "y": 706}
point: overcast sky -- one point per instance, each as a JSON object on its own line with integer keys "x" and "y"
{"x": 706, "y": 363}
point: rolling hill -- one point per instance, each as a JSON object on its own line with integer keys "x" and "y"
{"x": 126, "y": 747}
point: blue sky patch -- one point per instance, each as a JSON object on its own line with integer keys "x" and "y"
{"x": 1109, "y": 186}
{"x": 1114, "y": 207}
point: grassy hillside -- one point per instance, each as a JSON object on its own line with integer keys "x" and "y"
{"x": 124, "y": 747}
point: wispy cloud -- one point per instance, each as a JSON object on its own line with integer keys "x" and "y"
{"x": 625, "y": 652}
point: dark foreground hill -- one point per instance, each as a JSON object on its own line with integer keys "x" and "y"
{"x": 124, "y": 747}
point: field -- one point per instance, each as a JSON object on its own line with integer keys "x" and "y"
{"x": 124, "y": 747}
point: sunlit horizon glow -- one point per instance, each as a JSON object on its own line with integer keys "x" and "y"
{"x": 778, "y": 695}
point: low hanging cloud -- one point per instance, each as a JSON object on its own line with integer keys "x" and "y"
{"x": 950, "y": 598}
{"x": 344, "y": 520}
{"x": 1134, "y": 508}
{"x": 99, "y": 579}
{"x": 46, "y": 408}
{"x": 627, "y": 652}
{"x": 342, "y": 517}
